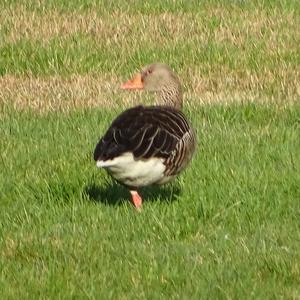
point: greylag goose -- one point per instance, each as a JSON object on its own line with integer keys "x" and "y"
{"x": 148, "y": 145}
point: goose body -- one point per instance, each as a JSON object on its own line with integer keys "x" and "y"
{"x": 148, "y": 145}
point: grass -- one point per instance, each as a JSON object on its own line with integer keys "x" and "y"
{"x": 217, "y": 48}
{"x": 67, "y": 231}
{"x": 228, "y": 228}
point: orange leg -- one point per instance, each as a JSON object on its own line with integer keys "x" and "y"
{"x": 136, "y": 199}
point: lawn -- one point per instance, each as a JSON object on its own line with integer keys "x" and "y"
{"x": 227, "y": 228}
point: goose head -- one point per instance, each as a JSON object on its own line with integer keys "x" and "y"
{"x": 158, "y": 78}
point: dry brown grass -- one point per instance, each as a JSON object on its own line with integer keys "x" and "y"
{"x": 57, "y": 93}
{"x": 234, "y": 27}
{"x": 67, "y": 94}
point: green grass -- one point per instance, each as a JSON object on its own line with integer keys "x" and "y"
{"x": 152, "y": 6}
{"x": 228, "y": 228}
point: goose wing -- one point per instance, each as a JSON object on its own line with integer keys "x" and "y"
{"x": 144, "y": 131}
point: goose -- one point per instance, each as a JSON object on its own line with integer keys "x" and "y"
{"x": 147, "y": 145}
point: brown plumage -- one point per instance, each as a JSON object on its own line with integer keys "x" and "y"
{"x": 148, "y": 144}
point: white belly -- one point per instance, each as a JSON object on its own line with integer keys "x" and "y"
{"x": 135, "y": 172}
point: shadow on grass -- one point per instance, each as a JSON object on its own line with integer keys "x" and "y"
{"x": 115, "y": 194}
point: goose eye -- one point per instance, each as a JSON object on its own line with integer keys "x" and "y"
{"x": 146, "y": 73}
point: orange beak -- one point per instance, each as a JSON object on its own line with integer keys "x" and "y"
{"x": 133, "y": 84}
